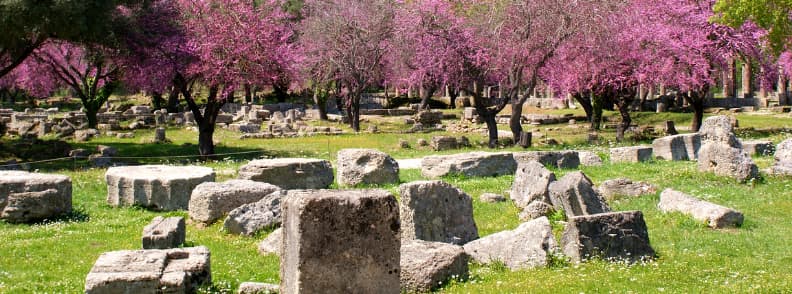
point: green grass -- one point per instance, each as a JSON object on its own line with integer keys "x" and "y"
{"x": 55, "y": 257}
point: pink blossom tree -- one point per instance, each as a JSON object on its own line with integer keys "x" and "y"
{"x": 234, "y": 43}
{"x": 347, "y": 40}
{"x": 431, "y": 46}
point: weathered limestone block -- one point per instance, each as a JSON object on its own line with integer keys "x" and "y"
{"x": 727, "y": 161}
{"x": 429, "y": 118}
{"x": 426, "y": 265}
{"x": 528, "y": 246}
{"x": 253, "y": 217}
{"x": 588, "y": 158}
{"x": 714, "y": 215}
{"x": 159, "y": 187}
{"x": 436, "y": 211}
{"x": 758, "y": 147}
{"x": 258, "y": 288}
{"x": 440, "y": 143}
{"x": 615, "y": 235}
{"x": 611, "y": 189}
{"x": 558, "y": 159}
{"x": 783, "y": 159}
{"x": 272, "y": 243}
{"x": 366, "y": 166}
{"x": 677, "y": 147}
{"x": 718, "y": 129}
{"x": 289, "y": 173}
{"x": 27, "y": 197}
{"x": 535, "y": 210}
{"x": 210, "y": 201}
{"x": 631, "y": 154}
{"x": 159, "y": 135}
{"x": 164, "y": 233}
{"x": 531, "y": 182}
{"x": 338, "y": 241}
{"x": 180, "y": 270}
{"x": 473, "y": 164}
{"x": 575, "y": 194}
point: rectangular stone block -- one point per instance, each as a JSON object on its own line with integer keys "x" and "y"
{"x": 631, "y": 154}
{"x": 670, "y": 148}
{"x": 758, "y": 147}
{"x": 164, "y": 233}
{"x": 558, "y": 159}
{"x": 714, "y": 215}
{"x": 614, "y": 235}
{"x": 337, "y": 241}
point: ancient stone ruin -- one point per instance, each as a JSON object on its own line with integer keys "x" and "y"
{"x": 158, "y": 187}
{"x": 366, "y": 166}
{"x": 289, "y": 173}
{"x": 211, "y": 201}
{"x": 613, "y": 235}
{"x": 436, "y": 211}
{"x": 473, "y": 164}
{"x": 721, "y": 152}
{"x": 714, "y": 215}
{"x": 529, "y": 245}
{"x": 340, "y": 242}
{"x": 27, "y": 197}
{"x": 164, "y": 233}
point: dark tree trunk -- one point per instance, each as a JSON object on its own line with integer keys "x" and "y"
{"x": 91, "y": 115}
{"x": 585, "y": 102}
{"x": 248, "y": 94}
{"x": 696, "y": 101}
{"x": 353, "y": 109}
{"x": 173, "y": 100}
{"x": 492, "y": 127}
{"x": 206, "y": 120}
{"x": 281, "y": 92}
{"x": 623, "y": 102}
{"x": 453, "y": 94}
{"x": 230, "y": 97}
{"x": 426, "y": 94}
{"x": 320, "y": 98}
{"x": 515, "y": 120}
{"x": 597, "y": 103}
{"x": 156, "y": 100}
{"x": 488, "y": 113}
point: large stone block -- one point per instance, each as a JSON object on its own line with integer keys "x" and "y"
{"x": 575, "y": 194}
{"x": 714, "y": 215}
{"x": 719, "y": 129}
{"x": 258, "y": 288}
{"x": 272, "y": 243}
{"x": 366, "y": 166}
{"x": 338, "y": 241}
{"x": 473, "y": 164}
{"x": 783, "y": 159}
{"x": 558, "y": 159}
{"x": 721, "y": 159}
{"x": 631, "y": 154}
{"x": 758, "y": 147}
{"x": 436, "y": 211}
{"x": 615, "y": 235}
{"x": 440, "y": 143}
{"x": 164, "y": 233}
{"x": 675, "y": 147}
{"x": 531, "y": 184}
{"x": 27, "y": 197}
{"x": 181, "y": 270}
{"x": 528, "y": 246}
{"x": 612, "y": 189}
{"x": 158, "y": 187}
{"x": 253, "y": 217}
{"x": 211, "y": 201}
{"x": 289, "y": 173}
{"x": 588, "y": 158}
{"x": 426, "y": 265}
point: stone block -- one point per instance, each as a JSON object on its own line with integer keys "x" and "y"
{"x": 258, "y": 288}
{"x": 253, "y": 217}
{"x": 557, "y": 159}
{"x": 436, "y": 211}
{"x": 158, "y": 187}
{"x": 27, "y": 197}
{"x": 714, "y": 215}
{"x": 366, "y": 166}
{"x": 575, "y": 194}
{"x": 338, "y": 241}
{"x": 441, "y": 143}
{"x": 588, "y": 158}
{"x": 527, "y": 246}
{"x": 211, "y": 201}
{"x": 181, "y": 270}
{"x": 783, "y": 159}
{"x": 164, "y": 233}
{"x": 615, "y": 235}
{"x": 758, "y": 147}
{"x": 272, "y": 243}
{"x": 631, "y": 154}
{"x": 531, "y": 183}
{"x": 612, "y": 189}
{"x": 473, "y": 164}
{"x": 671, "y": 148}
{"x": 289, "y": 173}
{"x": 426, "y": 265}
{"x": 721, "y": 159}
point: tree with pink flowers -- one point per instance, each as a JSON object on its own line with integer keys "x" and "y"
{"x": 347, "y": 39}
{"x": 430, "y": 47}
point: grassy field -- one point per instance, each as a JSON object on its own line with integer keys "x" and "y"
{"x": 55, "y": 257}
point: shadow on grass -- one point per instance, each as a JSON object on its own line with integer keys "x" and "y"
{"x": 77, "y": 215}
